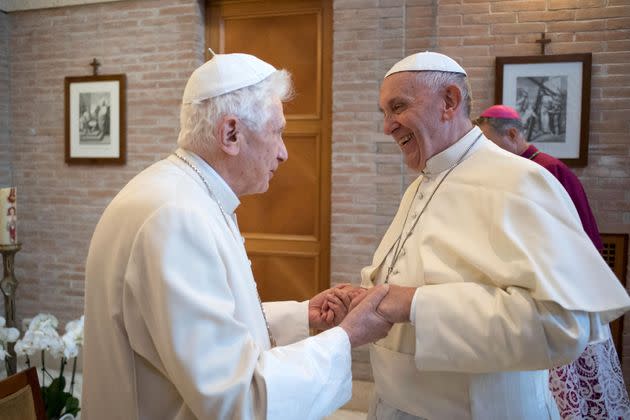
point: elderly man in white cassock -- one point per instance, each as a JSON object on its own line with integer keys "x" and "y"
{"x": 492, "y": 279}
{"x": 174, "y": 326}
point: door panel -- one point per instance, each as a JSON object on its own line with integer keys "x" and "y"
{"x": 292, "y": 196}
{"x": 287, "y": 229}
{"x": 294, "y": 38}
{"x": 281, "y": 271}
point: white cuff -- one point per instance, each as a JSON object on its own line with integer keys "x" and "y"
{"x": 412, "y": 310}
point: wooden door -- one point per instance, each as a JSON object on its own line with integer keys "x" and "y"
{"x": 287, "y": 229}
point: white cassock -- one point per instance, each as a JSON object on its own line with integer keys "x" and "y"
{"x": 509, "y": 285}
{"x": 174, "y": 327}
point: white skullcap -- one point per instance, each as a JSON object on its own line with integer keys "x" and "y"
{"x": 225, "y": 73}
{"x": 427, "y": 61}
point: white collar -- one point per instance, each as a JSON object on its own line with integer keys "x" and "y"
{"x": 449, "y": 157}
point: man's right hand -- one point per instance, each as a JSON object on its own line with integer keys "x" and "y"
{"x": 364, "y": 324}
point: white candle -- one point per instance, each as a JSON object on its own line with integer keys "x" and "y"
{"x": 8, "y": 216}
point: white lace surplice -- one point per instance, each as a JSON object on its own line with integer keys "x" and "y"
{"x": 591, "y": 387}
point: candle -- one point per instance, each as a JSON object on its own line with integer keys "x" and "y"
{"x": 8, "y": 216}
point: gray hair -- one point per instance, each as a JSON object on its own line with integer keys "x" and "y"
{"x": 250, "y": 104}
{"x": 501, "y": 125}
{"x": 436, "y": 80}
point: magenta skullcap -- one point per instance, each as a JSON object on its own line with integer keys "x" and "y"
{"x": 501, "y": 111}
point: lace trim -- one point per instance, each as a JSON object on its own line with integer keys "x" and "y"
{"x": 591, "y": 387}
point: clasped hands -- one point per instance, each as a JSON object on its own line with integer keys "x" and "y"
{"x": 365, "y": 314}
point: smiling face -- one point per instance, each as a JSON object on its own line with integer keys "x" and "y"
{"x": 261, "y": 152}
{"x": 412, "y": 114}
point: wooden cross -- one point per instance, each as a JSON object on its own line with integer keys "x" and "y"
{"x": 95, "y": 64}
{"x": 543, "y": 42}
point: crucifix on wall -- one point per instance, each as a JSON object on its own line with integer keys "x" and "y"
{"x": 543, "y": 41}
{"x": 95, "y": 65}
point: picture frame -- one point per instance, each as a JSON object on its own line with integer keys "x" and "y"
{"x": 552, "y": 93}
{"x": 95, "y": 119}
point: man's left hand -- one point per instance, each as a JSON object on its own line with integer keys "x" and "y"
{"x": 328, "y": 308}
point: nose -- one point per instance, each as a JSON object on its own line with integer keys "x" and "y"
{"x": 283, "y": 154}
{"x": 389, "y": 124}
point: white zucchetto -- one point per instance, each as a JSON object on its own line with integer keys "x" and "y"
{"x": 427, "y": 61}
{"x": 225, "y": 73}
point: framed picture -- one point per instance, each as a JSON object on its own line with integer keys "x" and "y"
{"x": 95, "y": 119}
{"x": 553, "y": 95}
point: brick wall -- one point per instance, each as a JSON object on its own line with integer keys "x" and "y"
{"x": 371, "y": 35}
{"x": 5, "y": 149}
{"x": 157, "y": 44}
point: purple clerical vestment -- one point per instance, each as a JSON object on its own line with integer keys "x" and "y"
{"x": 592, "y": 386}
{"x": 572, "y": 184}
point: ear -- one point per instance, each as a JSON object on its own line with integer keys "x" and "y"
{"x": 228, "y": 135}
{"x": 452, "y": 101}
{"x": 512, "y": 133}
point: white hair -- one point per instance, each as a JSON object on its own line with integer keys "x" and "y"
{"x": 436, "y": 80}
{"x": 251, "y": 104}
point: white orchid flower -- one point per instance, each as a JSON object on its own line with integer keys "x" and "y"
{"x": 47, "y": 339}
{"x": 41, "y": 335}
{"x": 73, "y": 338}
{"x": 23, "y": 348}
{"x": 74, "y": 332}
{"x": 70, "y": 350}
{"x": 9, "y": 335}
{"x": 43, "y": 321}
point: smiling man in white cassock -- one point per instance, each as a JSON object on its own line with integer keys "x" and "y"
{"x": 492, "y": 278}
{"x": 174, "y": 326}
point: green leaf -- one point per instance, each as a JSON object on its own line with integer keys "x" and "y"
{"x": 57, "y": 401}
{"x": 54, "y": 397}
{"x": 72, "y": 406}
{"x": 58, "y": 384}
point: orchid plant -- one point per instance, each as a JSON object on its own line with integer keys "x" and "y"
{"x": 7, "y": 335}
{"x": 40, "y": 337}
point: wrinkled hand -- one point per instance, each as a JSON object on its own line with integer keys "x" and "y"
{"x": 364, "y": 324}
{"x": 396, "y": 305}
{"x": 328, "y": 308}
{"x": 357, "y": 295}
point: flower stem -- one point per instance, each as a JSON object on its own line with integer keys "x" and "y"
{"x": 43, "y": 370}
{"x": 74, "y": 370}
{"x": 63, "y": 365}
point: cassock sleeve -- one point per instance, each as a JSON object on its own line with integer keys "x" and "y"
{"x": 288, "y": 321}
{"x": 177, "y": 278}
{"x": 477, "y": 329}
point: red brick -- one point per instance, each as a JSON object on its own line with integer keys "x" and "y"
{"x": 603, "y": 12}
{"x": 505, "y": 28}
{"x": 575, "y": 4}
{"x": 462, "y": 9}
{"x": 449, "y": 20}
{"x": 490, "y": 18}
{"x": 466, "y": 30}
{"x": 549, "y": 16}
{"x": 577, "y": 26}
{"x": 517, "y": 5}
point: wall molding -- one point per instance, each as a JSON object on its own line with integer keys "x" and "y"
{"x": 19, "y": 5}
